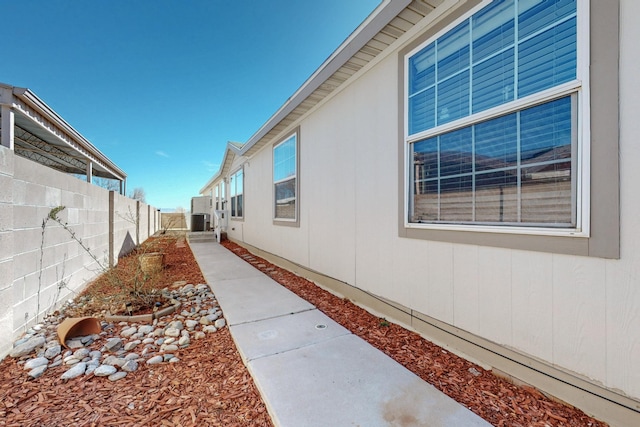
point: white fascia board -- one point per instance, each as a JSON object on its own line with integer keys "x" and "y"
{"x": 209, "y": 183}
{"x": 231, "y": 148}
{"x": 371, "y": 26}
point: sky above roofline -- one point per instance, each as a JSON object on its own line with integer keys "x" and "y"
{"x": 161, "y": 86}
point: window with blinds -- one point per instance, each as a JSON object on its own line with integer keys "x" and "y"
{"x": 284, "y": 178}
{"x": 492, "y": 116}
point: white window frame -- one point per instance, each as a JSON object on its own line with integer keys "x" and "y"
{"x": 223, "y": 201}
{"x": 233, "y": 189}
{"x": 579, "y": 86}
{"x": 294, "y": 135}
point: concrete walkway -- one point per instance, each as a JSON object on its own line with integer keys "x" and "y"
{"x": 311, "y": 371}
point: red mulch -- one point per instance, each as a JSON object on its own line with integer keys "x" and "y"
{"x": 493, "y": 398}
{"x": 210, "y": 386}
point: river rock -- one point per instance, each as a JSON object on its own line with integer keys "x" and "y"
{"x": 53, "y": 351}
{"x": 91, "y": 366}
{"x": 37, "y": 371}
{"x": 81, "y": 353}
{"x": 114, "y": 361}
{"x": 130, "y": 366}
{"x": 145, "y": 329}
{"x": 74, "y": 343}
{"x": 104, "y": 370}
{"x": 177, "y": 324}
{"x": 155, "y": 360}
{"x": 191, "y": 324}
{"x": 113, "y": 344}
{"x": 27, "y": 347}
{"x": 70, "y": 360}
{"x": 34, "y": 363}
{"x": 89, "y": 339}
{"x": 131, "y": 345}
{"x": 117, "y": 376}
{"x": 172, "y": 332}
{"x": 126, "y": 333}
{"x": 22, "y": 340}
{"x": 220, "y": 323}
{"x": 168, "y": 348}
{"x": 77, "y": 370}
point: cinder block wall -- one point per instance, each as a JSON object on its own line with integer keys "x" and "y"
{"x": 124, "y": 230}
{"x": 6, "y": 246}
{"x": 42, "y": 266}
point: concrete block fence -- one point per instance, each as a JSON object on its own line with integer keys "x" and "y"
{"x": 39, "y": 270}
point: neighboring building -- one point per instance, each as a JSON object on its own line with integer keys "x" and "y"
{"x": 468, "y": 169}
{"x": 31, "y": 129}
{"x": 201, "y": 205}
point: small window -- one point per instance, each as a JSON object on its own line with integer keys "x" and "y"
{"x": 493, "y": 110}
{"x": 236, "y": 193}
{"x": 223, "y": 200}
{"x": 285, "y": 185}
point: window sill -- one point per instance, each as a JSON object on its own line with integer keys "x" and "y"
{"x": 286, "y": 222}
{"x": 535, "y": 231}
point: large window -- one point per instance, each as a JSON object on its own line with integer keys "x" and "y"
{"x": 494, "y": 106}
{"x": 236, "y": 194}
{"x": 285, "y": 190}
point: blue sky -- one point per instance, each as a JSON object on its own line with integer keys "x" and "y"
{"x": 160, "y": 86}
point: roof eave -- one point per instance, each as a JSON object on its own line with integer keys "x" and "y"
{"x": 232, "y": 148}
{"x": 371, "y": 26}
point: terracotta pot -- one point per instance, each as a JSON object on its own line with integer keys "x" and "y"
{"x": 77, "y": 327}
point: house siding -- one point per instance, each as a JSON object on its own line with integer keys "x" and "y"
{"x": 579, "y": 314}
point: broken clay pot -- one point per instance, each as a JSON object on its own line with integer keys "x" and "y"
{"x": 77, "y": 327}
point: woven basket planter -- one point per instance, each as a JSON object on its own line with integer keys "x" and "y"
{"x": 151, "y": 263}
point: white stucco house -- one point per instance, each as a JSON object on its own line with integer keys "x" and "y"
{"x": 466, "y": 168}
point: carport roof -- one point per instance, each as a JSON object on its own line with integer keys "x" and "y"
{"x": 41, "y": 135}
